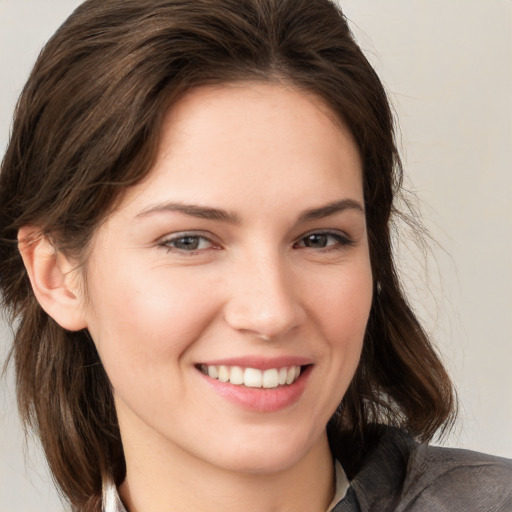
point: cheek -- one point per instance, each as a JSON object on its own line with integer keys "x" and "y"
{"x": 141, "y": 319}
{"x": 144, "y": 327}
{"x": 339, "y": 309}
{"x": 342, "y": 305}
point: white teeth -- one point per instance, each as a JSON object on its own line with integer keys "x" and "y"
{"x": 236, "y": 375}
{"x": 290, "y": 377}
{"x": 252, "y": 377}
{"x": 271, "y": 378}
{"x": 223, "y": 373}
{"x": 213, "y": 372}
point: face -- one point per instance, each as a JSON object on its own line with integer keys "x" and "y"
{"x": 228, "y": 293}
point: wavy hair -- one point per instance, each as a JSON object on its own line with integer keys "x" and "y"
{"x": 87, "y": 127}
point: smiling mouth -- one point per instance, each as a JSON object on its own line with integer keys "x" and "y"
{"x": 253, "y": 377}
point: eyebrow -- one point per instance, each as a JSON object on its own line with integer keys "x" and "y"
{"x": 330, "y": 209}
{"x": 201, "y": 212}
{"x": 206, "y": 212}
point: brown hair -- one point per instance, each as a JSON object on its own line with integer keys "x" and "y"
{"x": 86, "y": 128}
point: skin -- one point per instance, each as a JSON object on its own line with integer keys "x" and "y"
{"x": 254, "y": 286}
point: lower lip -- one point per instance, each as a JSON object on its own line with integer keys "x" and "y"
{"x": 261, "y": 399}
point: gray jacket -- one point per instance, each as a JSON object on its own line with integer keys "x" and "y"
{"x": 404, "y": 476}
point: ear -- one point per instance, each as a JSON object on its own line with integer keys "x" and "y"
{"x": 53, "y": 278}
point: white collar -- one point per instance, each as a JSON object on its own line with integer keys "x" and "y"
{"x": 342, "y": 484}
{"x": 111, "y": 500}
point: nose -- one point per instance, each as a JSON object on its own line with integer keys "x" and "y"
{"x": 262, "y": 298}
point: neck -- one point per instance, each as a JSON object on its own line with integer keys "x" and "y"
{"x": 176, "y": 482}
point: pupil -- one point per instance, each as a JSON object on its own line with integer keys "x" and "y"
{"x": 187, "y": 242}
{"x": 316, "y": 240}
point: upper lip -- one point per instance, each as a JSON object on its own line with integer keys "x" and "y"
{"x": 259, "y": 362}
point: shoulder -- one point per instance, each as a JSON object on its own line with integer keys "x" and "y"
{"x": 404, "y": 476}
{"x": 453, "y": 479}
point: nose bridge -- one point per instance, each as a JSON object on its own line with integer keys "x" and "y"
{"x": 262, "y": 300}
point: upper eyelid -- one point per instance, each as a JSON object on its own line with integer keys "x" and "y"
{"x": 334, "y": 232}
{"x": 342, "y": 238}
{"x": 167, "y": 242}
{"x": 183, "y": 234}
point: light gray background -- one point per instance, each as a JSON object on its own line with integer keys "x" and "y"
{"x": 447, "y": 65}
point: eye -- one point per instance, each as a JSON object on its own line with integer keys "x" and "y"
{"x": 185, "y": 242}
{"x": 323, "y": 240}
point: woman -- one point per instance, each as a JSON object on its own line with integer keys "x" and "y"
{"x": 195, "y": 205}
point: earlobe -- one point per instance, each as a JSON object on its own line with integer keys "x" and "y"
{"x": 53, "y": 279}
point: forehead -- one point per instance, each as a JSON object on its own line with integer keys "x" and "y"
{"x": 243, "y": 141}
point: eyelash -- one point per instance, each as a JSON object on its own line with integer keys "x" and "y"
{"x": 167, "y": 243}
{"x": 340, "y": 240}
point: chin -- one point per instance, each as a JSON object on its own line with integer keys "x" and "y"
{"x": 261, "y": 463}
{"x": 269, "y": 456}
